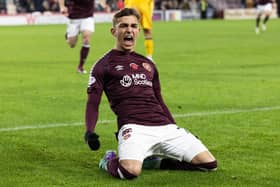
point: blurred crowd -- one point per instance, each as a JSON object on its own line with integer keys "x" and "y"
{"x": 26, "y": 6}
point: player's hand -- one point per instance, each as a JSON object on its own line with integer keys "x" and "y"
{"x": 92, "y": 140}
{"x": 64, "y": 11}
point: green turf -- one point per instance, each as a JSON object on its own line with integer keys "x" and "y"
{"x": 205, "y": 67}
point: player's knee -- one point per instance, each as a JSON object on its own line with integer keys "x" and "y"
{"x": 209, "y": 166}
{"x": 72, "y": 41}
{"x": 71, "y": 45}
{"x": 136, "y": 171}
{"x": 131, "y": 170}
{"x": 128, "y": 173}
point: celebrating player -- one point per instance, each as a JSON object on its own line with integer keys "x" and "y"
{"x": 264, "y": 7}
{"x": 145, "y": 125}
{"x": 145, "y": 8}
{"x": 80, "y": 14}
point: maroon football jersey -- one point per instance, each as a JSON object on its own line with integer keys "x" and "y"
{"x": 131, "y": 84}
{"x": 80, "y": 8}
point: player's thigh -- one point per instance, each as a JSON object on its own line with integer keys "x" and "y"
{"x": 134, "y": 143}
{"x": 87, "y": 24}
{"x": 268, "y": 9}
{"x": 182, "y": 145}
{"x": 73, "y": 28}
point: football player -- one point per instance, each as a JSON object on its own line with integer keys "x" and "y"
{"x": 81, "y": 20}
{"x": 145, "y": 124}
{"x": 264, "y": 7}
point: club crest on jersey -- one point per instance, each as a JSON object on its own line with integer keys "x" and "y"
{"x": 126, "y": 133}
{"x": 133, "y": 66}
{"x": 147, "y": 66}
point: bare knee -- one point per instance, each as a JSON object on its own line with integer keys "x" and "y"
{"x": 134, "y": 167}
{"x": 72, "y": 41}
{"x": 203, "y": 157}
{"x": 72, "y": 45}
{"x": 205, "y": 161}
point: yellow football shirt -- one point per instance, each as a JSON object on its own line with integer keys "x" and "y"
{"x": 145, "y": 8}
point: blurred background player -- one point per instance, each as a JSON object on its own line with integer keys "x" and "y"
{"x": 264, "y": 7}
{"x": 81, "y": 20}
{"x": 145, "y": 8}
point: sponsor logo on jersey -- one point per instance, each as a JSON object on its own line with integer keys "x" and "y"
{"x": 119, "y": 67}
{"x": 135, "y": 79}
{"x": 126, "y": 81}
{"x": 147, "y": 66}
{"x": 133, "y": 66}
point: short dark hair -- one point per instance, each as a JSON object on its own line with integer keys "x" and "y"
{"x": 125, "y": 12}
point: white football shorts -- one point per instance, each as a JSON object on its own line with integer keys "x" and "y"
{"x": 264, "y": 8}
{"x": 75, "y": 26}
{"x": 136, "y": 142}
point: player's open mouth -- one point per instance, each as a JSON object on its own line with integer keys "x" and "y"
{"x": 128, "y": 39}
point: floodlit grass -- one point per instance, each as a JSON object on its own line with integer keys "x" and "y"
{"x": 205, "y": 67}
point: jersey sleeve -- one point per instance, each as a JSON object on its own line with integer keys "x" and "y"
{"x": 157, "y": 90}
{"x": 94, "y": 92}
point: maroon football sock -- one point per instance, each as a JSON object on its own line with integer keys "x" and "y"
{"x": 171, "y": 164}
{"x": 258, "y": 21}
{"x": 83, "y": 55}
{"x": 116, "y": 170}
{"x": 265, "y": 19}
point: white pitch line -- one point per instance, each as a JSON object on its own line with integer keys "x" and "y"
{"x": 233, "y": 111}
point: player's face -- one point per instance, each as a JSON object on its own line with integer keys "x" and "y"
{"x": 126, "y": 32}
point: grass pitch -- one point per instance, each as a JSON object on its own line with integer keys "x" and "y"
{"x": 220, "y": 80}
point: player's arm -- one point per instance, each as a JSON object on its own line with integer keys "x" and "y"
{"x": 62, "y": 7}
{"x": 94, "y": 91}
{"x": 274, "y": 4}
{"x": 91, "y": 138}
{"x": 157, "y": 90}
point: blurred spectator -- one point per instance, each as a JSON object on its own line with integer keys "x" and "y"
{"x": 102, "y": 6}
{"x": 3, "y": 9}
{"x": 203, "y": 9}
{"x": 120, "y": 4}
{"x": 24, "y": 6}
{"x": 168, "y": 4}
{"x": 194, "y": 5}
{"x": 184, "y": 5}
{"x": 157, "y": 4}
{"x": 51, "y": 5}
{"x": 38, "y": 4}
{"x": 243, "y": 3}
